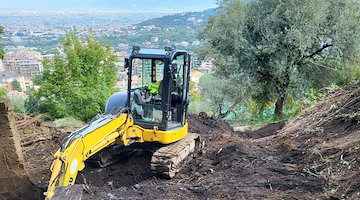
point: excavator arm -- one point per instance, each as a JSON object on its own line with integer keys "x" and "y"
{"x": 101, "y": 132}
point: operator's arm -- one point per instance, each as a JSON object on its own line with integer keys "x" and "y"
{"x": 81, "y": 144}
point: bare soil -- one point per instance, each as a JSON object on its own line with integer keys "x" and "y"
{"x": 14, "y": 182}
{"x": 314, "y": 156}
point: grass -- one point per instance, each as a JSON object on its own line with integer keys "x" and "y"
{"x": 257, "y": 124}
{"x": 68, "y": 121}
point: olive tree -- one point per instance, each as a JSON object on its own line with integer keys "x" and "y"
{"x": 283, "y": 46}
{"x": 221, "y": 94}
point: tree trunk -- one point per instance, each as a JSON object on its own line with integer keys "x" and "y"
{"x": 279, "y": 107}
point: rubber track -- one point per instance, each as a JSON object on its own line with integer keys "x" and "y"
{"x": 168, "y": 160}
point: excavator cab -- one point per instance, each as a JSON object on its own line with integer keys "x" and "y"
{"x": 158, "y": 86}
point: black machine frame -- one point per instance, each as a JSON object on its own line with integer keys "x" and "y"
{"x": 167, "y": 56}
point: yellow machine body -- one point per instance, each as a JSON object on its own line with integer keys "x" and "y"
{"x": 138, "y": 115}
{"x": 120, "y": 130}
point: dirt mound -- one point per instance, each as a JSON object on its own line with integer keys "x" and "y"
{"x": 270, "y": 129}
{"x": 133, "y": 167}
{"x": 39, "y": 141}
{"x": 326, "y": 142}
{"x": 207, "y": 126}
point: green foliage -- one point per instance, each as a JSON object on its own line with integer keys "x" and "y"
{"x": 314, "y": 96}
{"x": 2, "y": 52}
{"x": 46, "y": 44}
{"x": 194, "y": 93}
{"x": 283, "y": 47}
{"x": 352, "y": 115}
{"x": 16, "y": 85}
{"x": 194, "y": 96}
{"x": 3, "y": 93}
{"x": 214, "y": 92}
{"x": 19, "y": 104}
{"x": 68, "y": 121}
{"x": 258, "y": 123}
{"x": 197, "y": 106}
{"x": 33, "y": 105}
{"x": 220, "y": 93}
{"x": 78, "y": 86}
{"x": 192, "y": 85}
{"x": 347, "y": 75}
{"x": 178, "y": 20}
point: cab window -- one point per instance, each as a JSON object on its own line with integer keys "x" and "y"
{"x": 145, "y": 85}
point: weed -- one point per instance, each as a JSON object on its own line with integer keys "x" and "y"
{"x": 332, "y": 107}
{"x": 315, "y": 130}
{"x": 357, "y": 148}
{"x": 258, "y": 123}
{"x": 352, "y": 115}
{"x": 19, "y": 104}
{"x": 307, "y": 170}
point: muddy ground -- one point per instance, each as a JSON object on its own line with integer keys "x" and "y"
{"x": 314, "y": 156}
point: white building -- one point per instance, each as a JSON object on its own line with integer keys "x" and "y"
{"x": 1, "y": 66}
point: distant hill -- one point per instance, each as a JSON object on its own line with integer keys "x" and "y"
{"x": 189, "y": 19}
{"x": 178, "y": 30}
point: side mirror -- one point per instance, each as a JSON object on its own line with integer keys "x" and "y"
{"x": 126, "y": 64}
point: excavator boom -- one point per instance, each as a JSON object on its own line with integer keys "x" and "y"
{"x": 102, "y": 131}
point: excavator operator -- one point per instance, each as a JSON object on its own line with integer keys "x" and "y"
{"x": 154, "y": 87}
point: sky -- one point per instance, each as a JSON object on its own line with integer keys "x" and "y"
{"x": 129, "y": 5}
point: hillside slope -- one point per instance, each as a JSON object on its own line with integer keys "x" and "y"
{"x": 172, "y": 30}
{"x": 326, "y": 142}
{"x": 181, "y": 20}
{"x": 315, "y": 156}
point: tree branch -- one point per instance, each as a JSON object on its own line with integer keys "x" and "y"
{"x": 230, "y": 110}
{"x": 320, "y": 65}
{"x": 319, "y": 50}
{"x": 273, "y": 79}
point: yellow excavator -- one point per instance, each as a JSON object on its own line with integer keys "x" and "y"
{"x": 153, "y": 110}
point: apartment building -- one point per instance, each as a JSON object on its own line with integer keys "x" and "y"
{"x": 22, "y": 65}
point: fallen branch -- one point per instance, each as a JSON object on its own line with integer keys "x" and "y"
{"x": 87, "y": 186}
{"x": 40, "y": 139}
{"x": 25, "y": 123}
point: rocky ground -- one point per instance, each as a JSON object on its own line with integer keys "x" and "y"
{"x": 314, "y": 156}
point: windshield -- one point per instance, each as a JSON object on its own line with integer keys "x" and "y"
{"x": 145, "y": 84}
